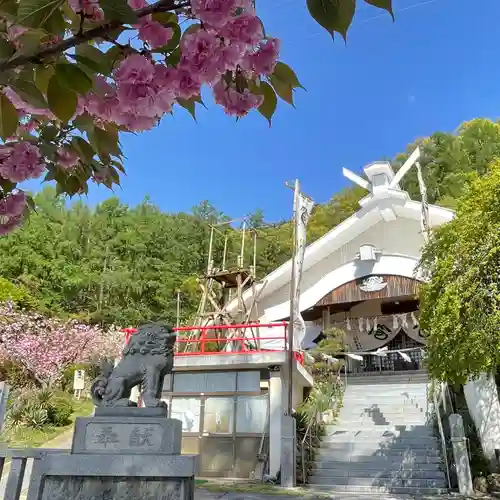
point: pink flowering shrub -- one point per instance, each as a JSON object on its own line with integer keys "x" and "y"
{"x": 78, "y": 73}
{"x": 45, "y": 347}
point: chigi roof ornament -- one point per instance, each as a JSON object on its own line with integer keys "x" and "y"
{"x": 381, "y": 176}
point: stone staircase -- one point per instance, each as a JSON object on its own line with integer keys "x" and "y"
{"x": 384, "y": 440}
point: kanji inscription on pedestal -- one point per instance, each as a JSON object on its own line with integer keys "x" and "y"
{"x": 123, "y": 437}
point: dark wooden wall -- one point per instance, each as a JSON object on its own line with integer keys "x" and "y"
{"x": 397, "y": 286}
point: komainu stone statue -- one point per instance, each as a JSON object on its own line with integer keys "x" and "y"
{"x": 147, "y": 358}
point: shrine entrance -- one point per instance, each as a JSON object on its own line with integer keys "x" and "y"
{"x": 394, "y": 361}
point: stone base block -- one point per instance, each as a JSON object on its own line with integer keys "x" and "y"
{"x": 113, "y": 477}
{"x": 140, "y": 435}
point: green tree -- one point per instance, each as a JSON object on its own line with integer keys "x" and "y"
{"x": 460, "y": 306}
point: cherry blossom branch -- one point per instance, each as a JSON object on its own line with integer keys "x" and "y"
{"x": 86, "y": 36}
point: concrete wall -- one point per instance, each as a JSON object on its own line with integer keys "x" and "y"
{"x": 484, "y": 407}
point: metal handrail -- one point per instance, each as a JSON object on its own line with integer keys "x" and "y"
{"x": 437, "y": 403}
{"x": 308, "y": 434}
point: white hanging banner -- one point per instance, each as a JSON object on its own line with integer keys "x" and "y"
{"x": 302, "y": 210}
{"x": 381, "y": 332}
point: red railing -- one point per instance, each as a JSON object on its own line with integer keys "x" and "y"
{"x": 208, "y": 342}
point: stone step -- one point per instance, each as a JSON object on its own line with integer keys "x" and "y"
{"x": 395, "y": 402}
{"x": 380, "y": 473}
{"x": 379, "y": 465}
{"x": 379, "y": 430}
{"x": 370, "y": 423}
{"x": 386, "y": 399}
{"x": 396, "y": 412}
{"x": 379, "y": 482}
{"x": 342, "y": 440}
{"x": 374, "y": 392}
{"x": 381, "y": 460}
{"x": 377, "y": 490}
{"x": 423, "y": 441}
{"x": 352, "y": 452}
{"x": 419, "y": 374}
{"x": 387, "y": 382}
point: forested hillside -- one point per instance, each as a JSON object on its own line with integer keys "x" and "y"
{"x": 120, "y": 264}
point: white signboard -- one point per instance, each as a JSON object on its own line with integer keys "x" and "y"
{"x": 4, "y": 394}
{"x": 79, "y": 382}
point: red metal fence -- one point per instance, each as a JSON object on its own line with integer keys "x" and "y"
{"x": 218, "y": 340}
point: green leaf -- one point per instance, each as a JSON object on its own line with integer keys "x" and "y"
{"x": 165, "y": 17}
{"x": 73, "y": 78}
{"x": 88, "y": 63}
{"x": 382, "y": 4}
{"x": 284, "y": 73}
{"x": 98, "y": 58}
{"x": 333, "y": 15}
{"x": 56, "y": 23}
{"x": 113, "y": 56}
{"x": 174, "y": 57}
{"x": 284, "y": 91}
{"x": 62, "y": 101}
{"x": 8, "y": 118}
{"x": 85, "y": 150}
{"x": 8, "y": 10}
{"x": 107, "y": 141}
{"x": 35, "y": 13}
{"x": 49, "y": 133}
{"x": 84, "y": 122}
{"x": 6, "y": 49}
{"x": 30, "y": 42}
{"x": 268, "y": 106}
{"x": 30, "y": 93}
{"x": 43, "y": 75}
{"x": 118, "y": 10}
{"x": 189, "y": 105}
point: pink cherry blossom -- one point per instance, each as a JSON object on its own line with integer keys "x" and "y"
{"x": 202, "y": 55}
{"x": 24, "y": 107}
{"x": 12, "y": 208}
{"x": 154, "y": 34}
{"x": 264, "y": 60}
{"x": 245, "y": 28}
{"x": 135, "y": 69}
{"x": 235, "y": 103}
{"x": 20, "y": 161}
{"x": 186, "y": 85}
{"x": 215, "y": 13}
{"x": 44, "y": 347}
{"x": 67, "y": 158}
{"x": 90, "y": 8}
{"x": 139, "y": 99}
{"x": 137, "y": 4}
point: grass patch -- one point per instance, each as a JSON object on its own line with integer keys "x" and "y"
{"x": 25, "y": 437}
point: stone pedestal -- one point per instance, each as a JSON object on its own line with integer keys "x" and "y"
{"x": 119, "y": 454}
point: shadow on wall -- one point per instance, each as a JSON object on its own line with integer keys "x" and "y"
{"x": 482, "y": 400}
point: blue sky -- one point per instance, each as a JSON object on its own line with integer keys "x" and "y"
{"x": 435, "y": 67}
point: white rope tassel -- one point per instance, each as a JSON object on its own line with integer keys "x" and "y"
{"x": 361, "y": 325}
{"x": 357, "y": 357}
{"x": 348, "y": 325}
{"x": 367, "y": 324}
{"x": 414, "y": 319}
{"x": 375, "y": 323}
{"x": 395, "y": 322}
{"x": 404, "y": 321}
{"x": 405, "y": 356}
